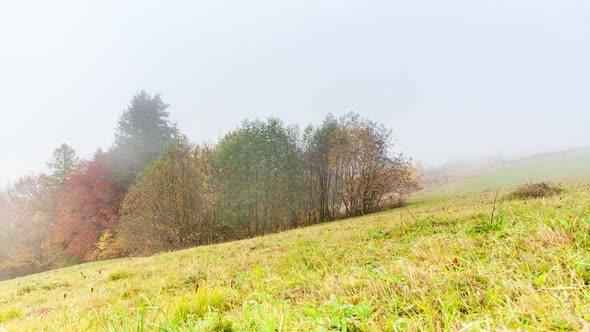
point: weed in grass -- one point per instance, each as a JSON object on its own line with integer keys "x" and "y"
{"x": 495, "y": 222}
{"x": 130, "y": 293}
{"x": 192, "y": 281}
{"x": 221, "y": 324}
{"x": 583, "y": 273}
{"x": 495, "y": 225}
{"x": 9, "y": 314}
{"x": 344, "y": 316}
{"x": 380, "y": 234}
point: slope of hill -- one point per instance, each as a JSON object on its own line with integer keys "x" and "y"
{"x": 567, "y": 167}
{"x": 434, "y": 265}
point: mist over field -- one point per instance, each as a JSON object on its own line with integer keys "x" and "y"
{"x": 295, "y": 166}
{"x": 455, "y": 81}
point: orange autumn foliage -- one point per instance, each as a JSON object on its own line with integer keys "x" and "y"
{"x": 88, "y": 207}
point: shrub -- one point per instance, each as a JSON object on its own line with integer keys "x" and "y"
{"x": 534, "y": 190}
{"x": 72, "y": 261}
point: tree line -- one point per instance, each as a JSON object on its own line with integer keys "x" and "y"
{"x": 154, "y": 190}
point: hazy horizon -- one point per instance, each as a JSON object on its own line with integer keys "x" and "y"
{"x": 453, "y": 80}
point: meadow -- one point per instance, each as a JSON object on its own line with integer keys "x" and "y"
{"x": 457, "y": 258}
{"x": 567, "y": 167}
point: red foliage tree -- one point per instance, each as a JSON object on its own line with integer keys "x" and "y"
{"x": 88, "y": 207}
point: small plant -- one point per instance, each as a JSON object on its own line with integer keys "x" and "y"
{"x": 346, "y": 317}
{"x": 534, "y": 190}
{"x": 380, "y": 234}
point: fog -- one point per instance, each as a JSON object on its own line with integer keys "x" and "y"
{"x": 453, "y": 79}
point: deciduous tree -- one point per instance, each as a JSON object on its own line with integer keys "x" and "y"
{"x": 259, "y": 176}
{"x": 322, "y": 203}
{"x": 87, "y": 208}
{"x": 29, "y": 206}
{"x": 170, "y": 207}
{"x": 8, "y": 234}
{"x": 350, "y": 169}
{"x": 366, "y": 169}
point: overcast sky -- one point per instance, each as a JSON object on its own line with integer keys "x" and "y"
{"x": 453, "y": 79}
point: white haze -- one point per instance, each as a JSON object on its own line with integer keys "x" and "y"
{"x": 453, "y": 79}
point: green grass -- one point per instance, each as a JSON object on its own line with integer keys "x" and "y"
{"x": 443, "y": 263}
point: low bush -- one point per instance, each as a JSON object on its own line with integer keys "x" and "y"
{"x": 534, "y": 190}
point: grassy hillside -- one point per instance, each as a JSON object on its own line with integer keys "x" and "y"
{"x": 433, "y": 265}
{"x": 568, "y": 167}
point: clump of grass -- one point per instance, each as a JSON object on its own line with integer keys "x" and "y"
{"x": 27, "y": 289}
{"x": 200, "y": 303}
{"x": 118, "y": 275}
{"x": 8, "y": 314}
{"x": 55, "y": 285}
{"x": 534, "y": 190}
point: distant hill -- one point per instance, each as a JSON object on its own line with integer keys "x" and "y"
{"x": 564, "y": 166}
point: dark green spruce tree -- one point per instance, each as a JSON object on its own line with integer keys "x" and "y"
{"x": 143, "y": 131}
